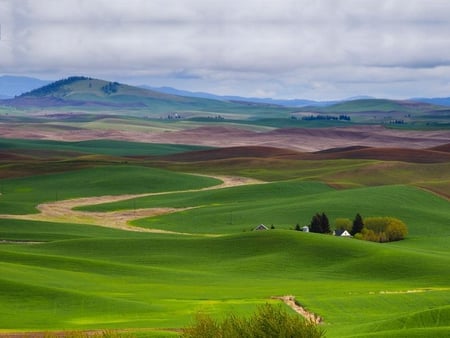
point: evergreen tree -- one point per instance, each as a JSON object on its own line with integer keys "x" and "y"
{"x": 358, "y": 225}
{"x": 325, "y": 224}
{"x": 316, "y": 225}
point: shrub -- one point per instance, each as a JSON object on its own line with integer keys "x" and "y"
{"x": 269, "y": 321}
{"x": 343, "y": 224}
{"x": 384, "y": 229}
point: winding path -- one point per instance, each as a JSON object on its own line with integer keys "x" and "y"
{"x": 294, "y": 305}
{"x": 62, "y": 211}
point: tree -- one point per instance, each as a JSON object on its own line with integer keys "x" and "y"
{"x": 325, "y": 224}
{"x": 320, "y": 224}
{"x": 315, "y": 225}
{"x": 384, "y": 229}
{"x": 358, "y": 225}
{"x": 297, "y": 227}
{"x": 343, "y": 224}
{"x": 396, "y": 229}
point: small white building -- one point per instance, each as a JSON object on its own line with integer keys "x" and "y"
{"x": 305, "y": 228}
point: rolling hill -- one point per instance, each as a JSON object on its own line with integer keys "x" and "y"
{"x": 377, "y": 105}
{"x": 95, "y": 94}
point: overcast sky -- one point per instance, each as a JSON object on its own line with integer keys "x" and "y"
{"x": 315, "y": 49}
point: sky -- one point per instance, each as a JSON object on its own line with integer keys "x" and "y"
{"x": 310, "y": 49}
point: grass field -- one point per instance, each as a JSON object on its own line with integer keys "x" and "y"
{"x": 61, "y": 276}
{"x": 103, "y": 147}
{"x": 21, "y": 195}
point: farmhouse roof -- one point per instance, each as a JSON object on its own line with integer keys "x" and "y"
{"x": 261, "y": 227}
{"x": 342, "y": 233}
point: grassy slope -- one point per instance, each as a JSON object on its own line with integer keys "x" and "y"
{"x": 124, "y": 280}
{"x": 88, "y": 277}
{"x": 21, "y": 195}
{"x": 104, "y": 147}
{"x": 135, "y": 101}
{"x": 285, "y": 204}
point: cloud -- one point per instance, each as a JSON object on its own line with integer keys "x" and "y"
{"x": 304, "y": 46}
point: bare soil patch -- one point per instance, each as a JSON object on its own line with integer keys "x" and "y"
{"x": 385, "y": 154}
{"x": 294, "y": 305}
{"x": 299, "y": 139}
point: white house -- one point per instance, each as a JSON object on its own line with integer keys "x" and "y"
{"x": 342, "y": 233}
{"x": 261, "y": 227}
{"x": 305, "y": 228}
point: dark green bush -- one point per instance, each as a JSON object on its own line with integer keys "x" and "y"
{"x": 268, "y": 322}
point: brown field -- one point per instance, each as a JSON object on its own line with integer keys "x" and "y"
{"x": 298, "y": 139}
{"x": 386, "y": 154}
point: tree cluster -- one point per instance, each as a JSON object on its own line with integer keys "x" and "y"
{"x": 323, "y": 117}
{"x": 54, "y": 86}
{"x": 382, "y": 229}
{"x": 397, "y": 122}
{"x": 110, "y": 88}
{"x": 375, "y": 229}
{"x": 320, "y": 224}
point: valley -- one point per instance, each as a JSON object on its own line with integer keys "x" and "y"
{"x": 115, "y": 217}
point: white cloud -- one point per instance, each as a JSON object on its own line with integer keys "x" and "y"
{"x": 304, "y": 48}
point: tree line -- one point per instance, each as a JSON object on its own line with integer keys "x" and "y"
{"x": 54, "y": 86}
{"x": 375, "y": 229}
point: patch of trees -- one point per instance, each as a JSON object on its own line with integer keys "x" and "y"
{"x": 382, "y": 229}
{"x": 269, "y": 321}
{"x": 397, "y": 122}
{"x": 110, "y": 88}
{"x": 54, "y": 86}
{"x": 322, "y": 117}
{"x": 320, "y": 224}
{"x": 174, "y": 116}
{"x": 375, "y": 229}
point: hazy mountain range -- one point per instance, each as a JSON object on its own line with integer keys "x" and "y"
{"x": 11, "y": 86}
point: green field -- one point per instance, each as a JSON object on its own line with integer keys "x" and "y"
{"x": 61, "y": 276}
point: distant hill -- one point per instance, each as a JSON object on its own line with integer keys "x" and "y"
{"x": 90, "y": 94}
{"x": 80, "y": 91}
{"x": 279, "y": 102}
{"x": 11, "y": 86}
{"x": 442, "y": 101}
{"x": 377, "y": 105}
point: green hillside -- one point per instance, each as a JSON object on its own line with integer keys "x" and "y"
{"x": 103, "y": 147}
{"x": 57, "y": 276}
{"x": 21, "y": 195}
{"x": 62, "y": 276}
{"x": 111, "y": 279}
{"x": 100, "y": 95}
{"x": 378, "y": 105}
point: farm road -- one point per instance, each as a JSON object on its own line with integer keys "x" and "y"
{"x": 62, "y": 211}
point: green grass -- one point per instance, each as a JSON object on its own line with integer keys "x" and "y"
{"x": 120, "y": 281}
{"x": 285, "y": 204}
{"x": 81, "y": 277}
{"x": 104, "y": 147}
{"x": 21, "y": 195}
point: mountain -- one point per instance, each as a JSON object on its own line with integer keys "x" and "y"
{"x": 278, "y": 102}
{"x": 377, "y": 105}
{"x": 442, "y": 101}
{"x": 11, "y": 86}
{"x": 90, "y": 93}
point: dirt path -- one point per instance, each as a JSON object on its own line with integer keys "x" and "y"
{"x": 62, "y": 211}
{"x": 294, "y": 305}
